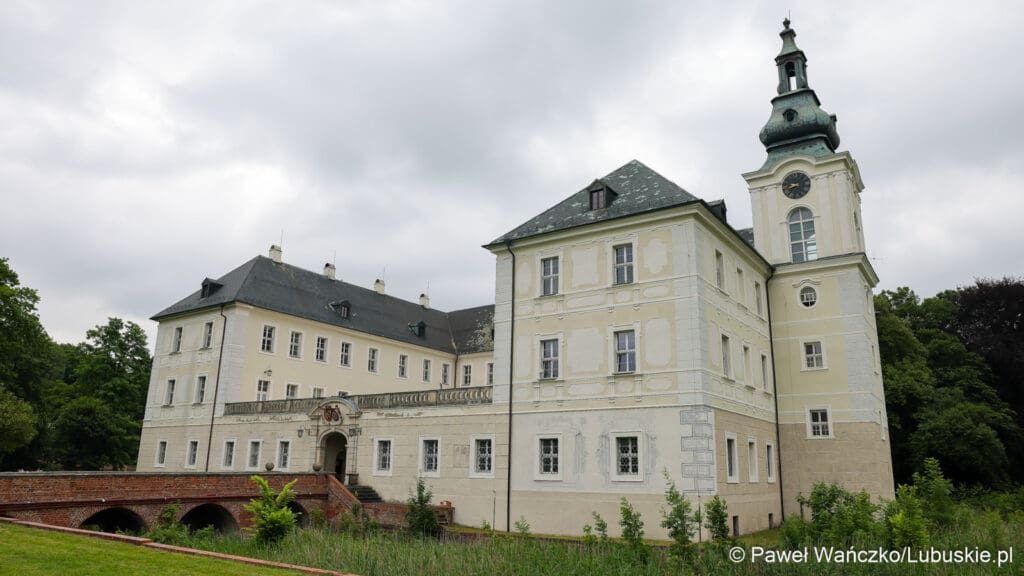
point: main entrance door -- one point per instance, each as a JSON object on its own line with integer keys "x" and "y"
{"x": 335, "y": 447}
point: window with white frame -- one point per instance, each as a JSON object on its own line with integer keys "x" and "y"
{"x": 549, "y": 276}
{"x": 262, "y": 390}
{"x": 802, "y": 241}
{"x": 626, "y": 465}
{"x": 228, "y": 457}
{"x": 345, "y": 358}
{"x": 818, "y": 422}
{"x": 207, "y": 334}
{"x": 318, "y": 392}
{"x": 371, "y": 359}
{"x": 467, "y": 375}
{"x": 200, "y": 395}
{"x": 483, "y": 456}
{"x": 161, "y": 453}
{"x": 752, "y": 467}
{"x": 267, "y": 340}
{"x": 291, "y": 391}
{"x": 193, "y": 454}
{"x": 426, "y": 370}
{"x": 490, "y": 373}
{"x": 808, "y": 297}
{"x": 549, "y": 359}
{"x": 295, "y": 344}
{"x": 430, "y": 457}
{"x": 757, "y": 299}
{"x": 731, "y": 459}
{"x": 764, "y": 372}
{"x": 813, "y": 355}
{"x": 321, "y": 349}
{"x": 623, "y": 264}
{"x": 445, "y": 370}
{"x": 625, "y": 352}
{"x": 726, "y": 357}
{"x": 748, "y": 372}
{"x": 741, "y": 296}
{"x": 548, "y": 463}
{"x": 169, "y": 395}
{"x": 176, "y": 344}
{"x": 769, "y": 461}
{"x": 403, "y": 365}
{"x": 382, "y": 456}
{"x": 253, "y": 461}
{"x": 284, "y": 448}
{"x": 719, "y": 270}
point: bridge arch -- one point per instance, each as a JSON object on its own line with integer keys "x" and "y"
{"x": 301, "y": 514}
{"x": 210, "y": 515}
{"x": 116, "y": 520}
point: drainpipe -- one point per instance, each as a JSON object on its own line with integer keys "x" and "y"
{"x": 775, "y": 394}
{"x": 511, "y": 348}
{"x": 216, "y": 387}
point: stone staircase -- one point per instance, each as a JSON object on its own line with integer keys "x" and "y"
{"x": 365, "y": 494}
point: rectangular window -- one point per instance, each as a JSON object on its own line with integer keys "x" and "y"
{"x": 623, "y": 264}
{"x": 429, "y": 456}
{"x": 193, "y": 453}
{"x": 769, "y": 461}
{"x": 467, "y": 375}
{"x": 730, "y": 460}
{"x": 819, "y": 424}
{"x": 627, "y": 452}
{"x": 426, "y": 370}
{"x": 741, "y": 297}
{"x": 719, "y": 270}
{"x": 346, "y": 354}
{"x": 321, "y": 349}
{"x": 161, "y": 453}
{"x": 267, "y": 342}
{"x": 490, "y": 373}
{"x": 176, "y": 345}
{"x": 295, "y": 345}
{"x": 262, "y": 390}
{"x": 403, "y": 365}
{"x": 208, "y": 335}
{"x": 764, "y": 372}
{"x": 169, "y": 397}
{"x": 596, "y": 199}
{"x": 200, "y": 389}
{"x": 284, "y": 448}
{"x": 382, "y": 462}
{"x": 483, "y": 454}
{"x": 549, "y": 456}
{"x": 548, "y": 359}
{"x": 254, "y": 455}
{"x": 228, "y": 461}
{"x": 757, "y": 299}
{"x": 748, "y": 372}
{"x": 318, "y": 392}
{"x": 625, "y": 352}
{"x": 549, "y": 275}
{"x": 752, "y": 471}
{"x": 445, "y": 368}
{"x": 291, "y": 391}
{"x": 371, "y": 360}
{"x": 813, "y": 358}
{"x": 726, "y": 360}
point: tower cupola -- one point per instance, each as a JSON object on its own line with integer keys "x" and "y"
{"x": 797, "y": 125}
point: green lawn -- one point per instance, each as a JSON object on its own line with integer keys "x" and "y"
{"x": 35, "y": 552}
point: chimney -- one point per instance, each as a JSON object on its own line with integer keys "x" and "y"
{"x": 424, "y": 300}
{"x": 275, "y": 253}
{"x": 329, "y": 271}
{"x": 378, "y": 286}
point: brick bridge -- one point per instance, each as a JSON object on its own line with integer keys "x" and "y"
{"x": 133, "y": 501}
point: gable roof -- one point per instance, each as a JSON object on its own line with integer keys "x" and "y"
{"x": 280, "y": 287}
{"x": 638, "y": 189}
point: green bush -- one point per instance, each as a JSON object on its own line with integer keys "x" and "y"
{"x": 679, "y": 520}
{"x": 272, "y": 519}
{"x": 906, "y": 522}
{"x": 356, "y": 522}
{"x": 633, "y": 531}
{"x": 168, "y": 529}
{"x": 421, "y": 519}
{"x": 842, "y": 518}
{"x": 601, "y": 527}
{"x": 935, "y": 493}
{"x": 716, "y": 519}
{"x": 794, "y": 533}
{"x": 522, "y": 526}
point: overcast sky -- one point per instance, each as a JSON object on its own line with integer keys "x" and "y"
{"x": 144, "y": 147}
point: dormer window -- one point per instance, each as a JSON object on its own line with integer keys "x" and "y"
{"x": 343, "y": 308}
{"x": 597, "y": 199}
{"x": 209, "y": 287}
{"x": 419, "y": 328}
{"x": 600, "y": 195}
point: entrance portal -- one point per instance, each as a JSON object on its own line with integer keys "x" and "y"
{"x": 335, "y": 447}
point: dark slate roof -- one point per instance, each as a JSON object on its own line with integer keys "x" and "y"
{"x": 638, "y": 189}
{"x": 473, "y": 329}
{"x": 280, "y": 287}
{"x": 748, "y": 236}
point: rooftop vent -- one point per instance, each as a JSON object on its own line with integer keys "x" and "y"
{"x": 378, "y": 286}
{"x": 424, "y": 300}
{"x": 330, "y": 271}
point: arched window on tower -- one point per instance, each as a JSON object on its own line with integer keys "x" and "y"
{"x": 803, "y": 244}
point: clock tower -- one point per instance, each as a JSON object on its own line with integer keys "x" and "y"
{"x": 807, "y": 223}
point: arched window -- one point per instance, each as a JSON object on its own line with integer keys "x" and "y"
{"x": 802, "y": 243}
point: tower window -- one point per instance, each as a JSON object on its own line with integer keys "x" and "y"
{"x": 789, "y": 115}
{"x": 803, "y": 243}
{"x": 791, "y": 76}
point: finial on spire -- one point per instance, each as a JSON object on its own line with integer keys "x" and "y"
{"x": 785, "y": 23}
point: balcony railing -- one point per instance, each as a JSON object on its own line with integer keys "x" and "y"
{"x": 448, "y": 397}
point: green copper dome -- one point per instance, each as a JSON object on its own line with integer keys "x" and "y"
{"x": 797, "y": 125}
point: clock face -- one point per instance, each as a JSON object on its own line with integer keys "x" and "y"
{"x": 796, "y": 185}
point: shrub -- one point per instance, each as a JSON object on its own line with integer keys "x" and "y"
{"x": 601, "y": 527}
{"x": 795, "y": 532}
{"x": 168, "y": 529}
{"x": 716, "y": 519}
{"x": 935, "y": 492}
{"x": 421, "y": 519}
{"x": 842, "y": 518}
{"x": 522, "y": 526}
{"x": 356, "y": 522}
{"x": 272, "y": 519}
{"x": 633, "y": 530}
{"x": 679, "y": 521}
{"x": 905, "y": 521}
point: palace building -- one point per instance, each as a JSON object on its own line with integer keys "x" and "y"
{"x": 634, "y": 334}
